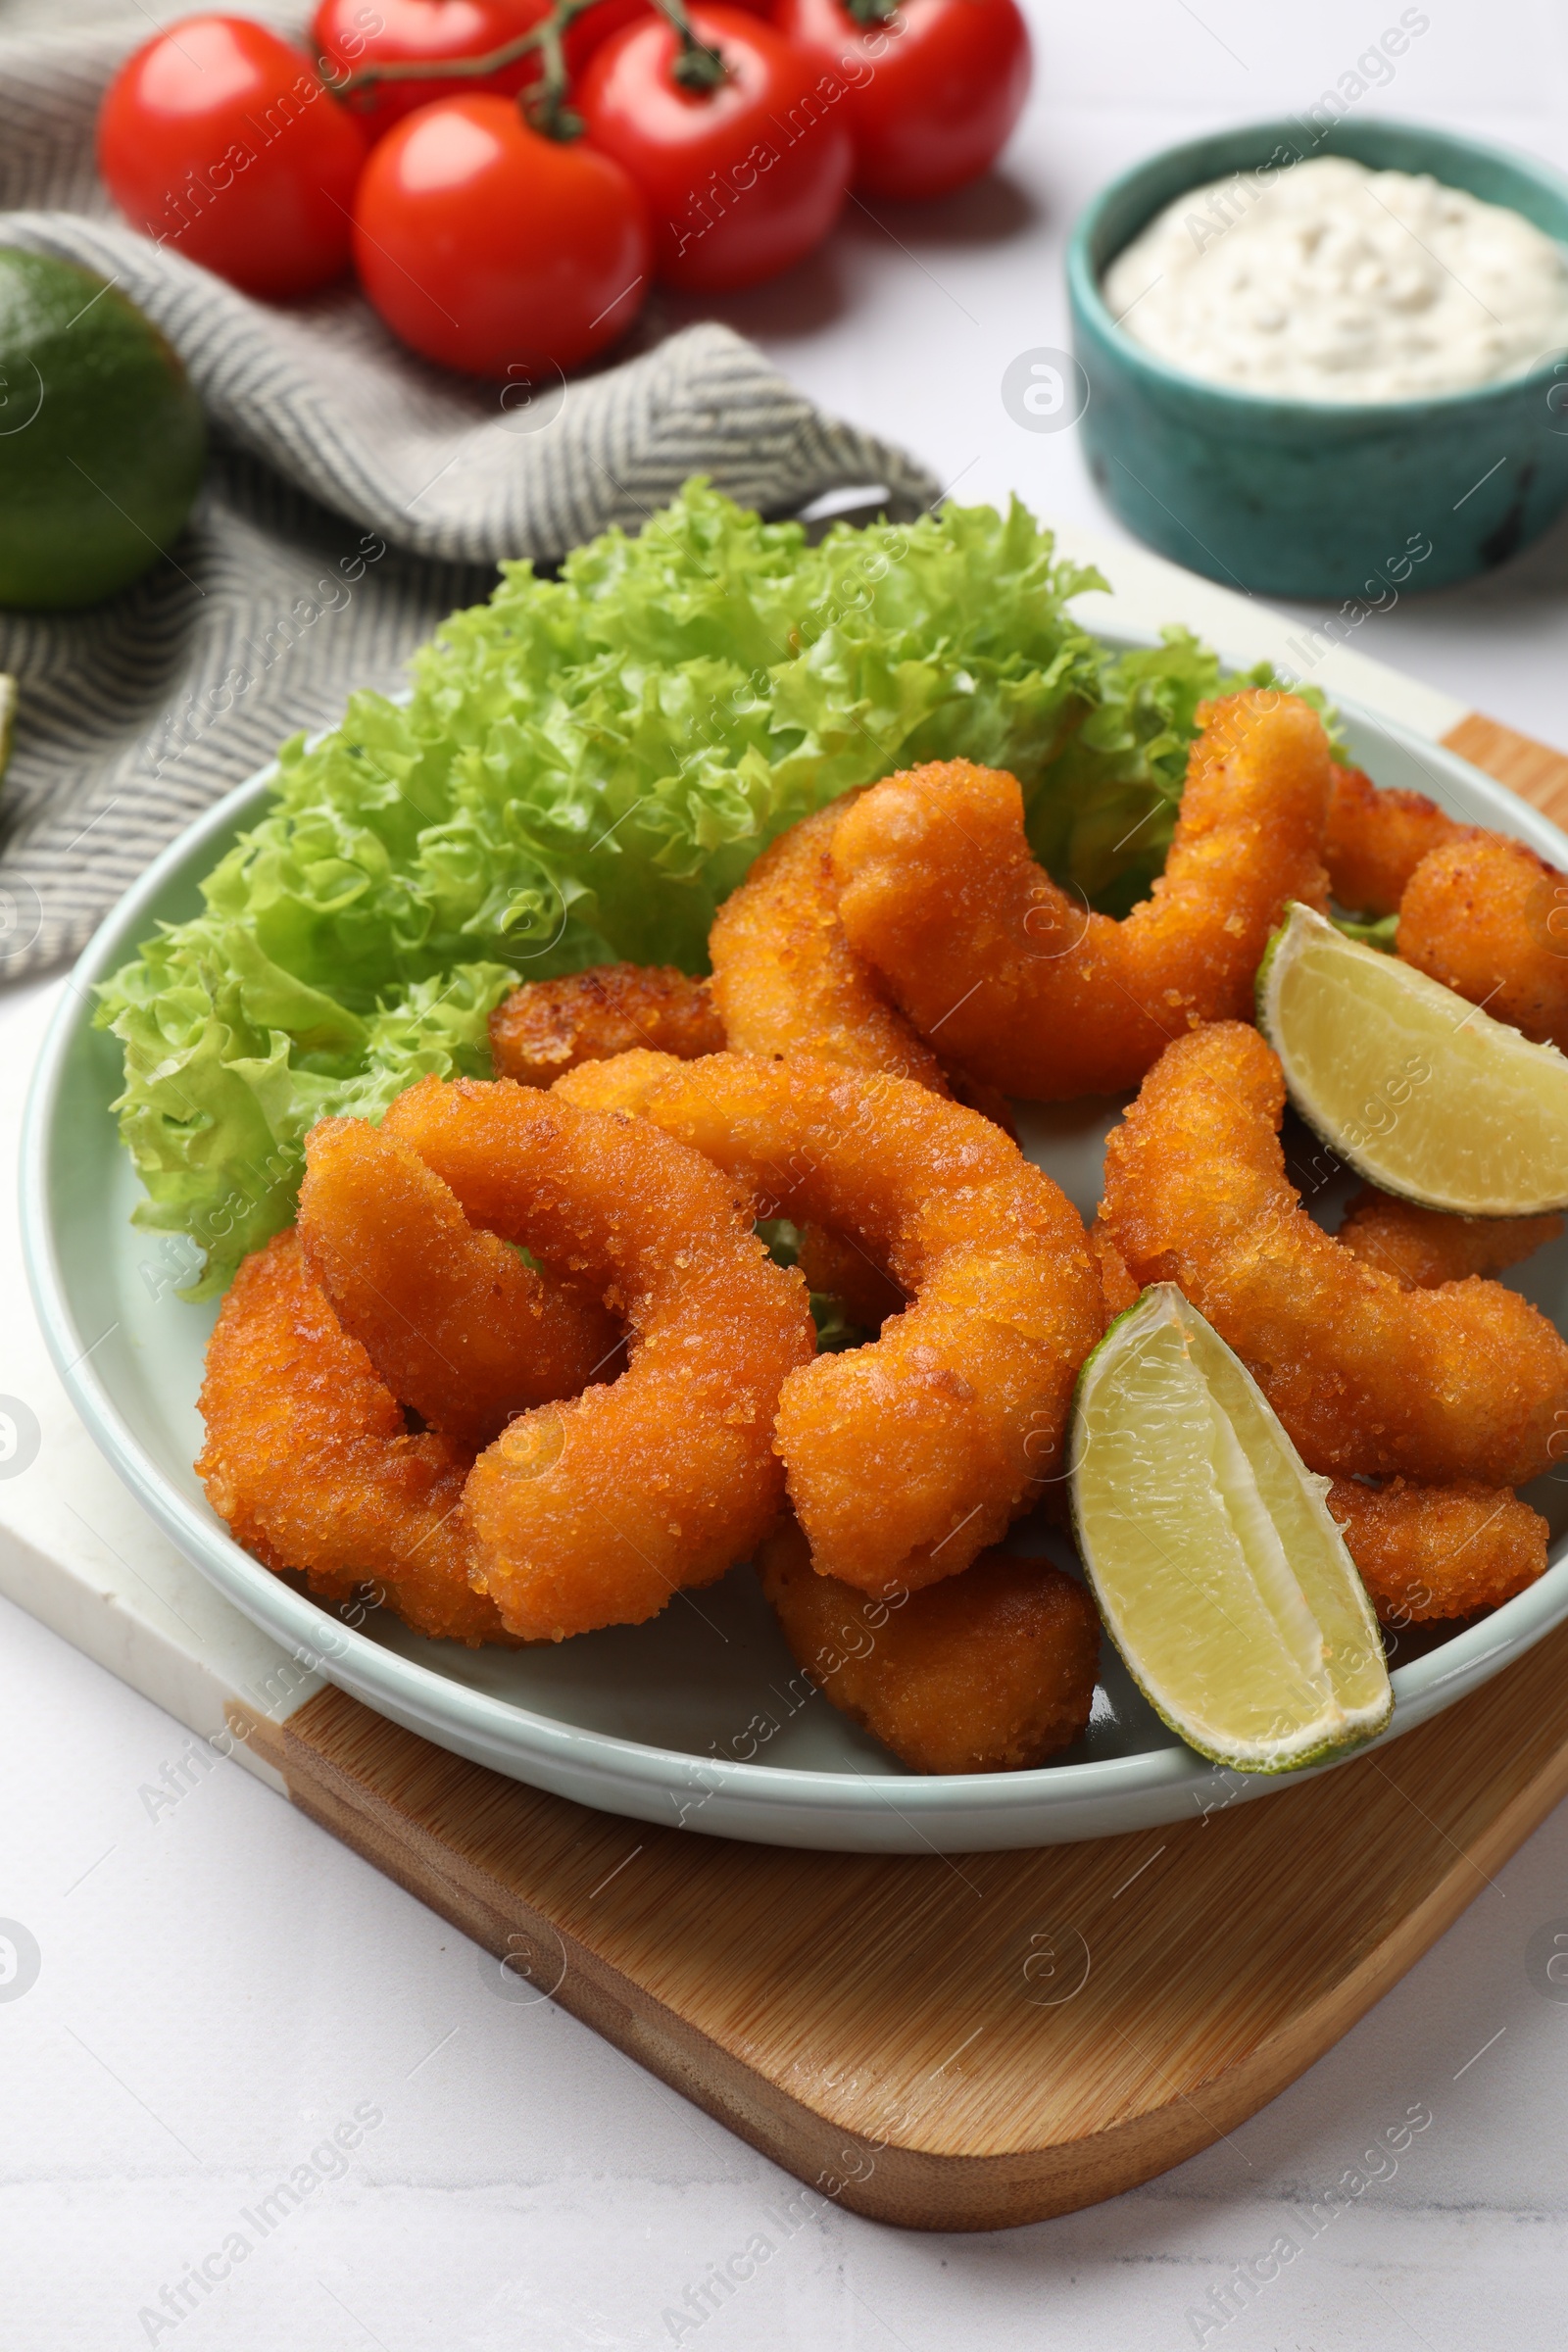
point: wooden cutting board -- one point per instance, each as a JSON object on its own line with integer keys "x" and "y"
{"x": 970, "y": 2041}
{"x": 943, "y": 2042}
{"x": 965, "y": 2041}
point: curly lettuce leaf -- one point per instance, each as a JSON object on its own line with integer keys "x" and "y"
{"x": 584, "y": 768}
{"x": 222, "y": 1091}
{"x": 1103, "y": 820}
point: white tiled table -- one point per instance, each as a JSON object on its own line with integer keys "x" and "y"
{"x": 222, "y": 1985}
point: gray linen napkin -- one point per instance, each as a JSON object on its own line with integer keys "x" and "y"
{"x": 355, "y": 496}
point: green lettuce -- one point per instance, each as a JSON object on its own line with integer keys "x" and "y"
{"x": 1104, "y": 824}
{"x": 584, "y": 768}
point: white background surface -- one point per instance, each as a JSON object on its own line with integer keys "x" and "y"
{"x": 222, "y": 1985}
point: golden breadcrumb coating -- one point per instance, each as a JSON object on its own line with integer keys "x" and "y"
{"x": 786, "y": 979}
{"x": 1121, "y": 1292}
{"x": 1464, "y": 1382}
{"x": 311, "y": 1462}
{"x": 991, "y": 1671}
{"x": 1425, "y": 1247}
{"x": 1489, "y": 919}
{"x": 1026, "y": 988}
{"x": 1438, "y": 1551}
{"x": 597, "y": 1510}
{"x": 906, "y": 1457}
{"x": 547, "y": 1026}
{"x": 455, "y": 1322}
{"x": 1376, "y": 839}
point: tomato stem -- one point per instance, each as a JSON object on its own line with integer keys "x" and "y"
{"x": 544, "y": 105}
{"x": 696, "y": 66}
{"x": 871, "y": 12}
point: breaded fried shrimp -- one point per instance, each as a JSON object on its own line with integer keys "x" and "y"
{"x": 311, "y": 1462}
{"x": 1016, "y": 983}
{"x": 1438, "y": 1551}
{"x": 991, "y": 1671}
{"x": 904, "y": 1458}
{"x": 1424, "y": 1248}
{"x": 786, "y": 979}
{"x": 1489, "y": 919}
{"x": 1376, "y": 839}
{"x": 595, "y": 1511}
{"x": 1464, "y": 1382}
{"x": 786, "y": 982}
{"x": 844, "y": 1271}
{"x": 547, "y": 1026}
{"x": 1121, "y": 1292}
{"x": 455, "y": 1322}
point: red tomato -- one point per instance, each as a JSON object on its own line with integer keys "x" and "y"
{"x": 742, "y": 180}
{"x": 493, "y": 249}
{"x": 351, "y": 34}
{"x": 222, "y": 142}
{"x": 934, "y": 92}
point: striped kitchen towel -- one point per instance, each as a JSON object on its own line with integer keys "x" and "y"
{"x": 354, "y": 497}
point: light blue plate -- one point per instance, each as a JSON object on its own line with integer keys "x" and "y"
{"x": 701, "y": 1718}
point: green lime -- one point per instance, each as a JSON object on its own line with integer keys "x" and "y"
{"x": 101, "y": 437}
{"x": 1424, "y": 1095}
{"x": 1220, "y": 1575}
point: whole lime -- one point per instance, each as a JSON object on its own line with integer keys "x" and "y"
{"x": 101, "y": 436}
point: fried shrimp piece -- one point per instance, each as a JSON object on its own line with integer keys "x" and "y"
{"x": 547, "y": 1026}
{"x": 1457, "y": 1383}
{"x": 991, "y": 1671}
{"x": 906, "y": 1457}
{"x": 310, "y": 1461}
{"x": 1425, "y": 1247}
{"x": 1438, "y": 1551}
{"x": 1480, "y": 912}
{"x": 1489, "y": 919}
{"x": 845, "y": 1272}
{"x": 1027, "y": 990}
{"x": 595, "y": 1511}
{"x": 1121, "y": 1292}
{"x": 786, "y": 980}
{"x": 1376, "y": 839}
{"x": 454, "y": 1321}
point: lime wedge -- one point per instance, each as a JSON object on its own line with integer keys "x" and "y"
{"x": 1423, "y": 1093}
{"x": 1220, "y": 1575}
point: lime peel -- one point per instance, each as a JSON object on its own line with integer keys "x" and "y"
{"x": 1425, "y": 1095}
{"x": 1219, "y": 1572}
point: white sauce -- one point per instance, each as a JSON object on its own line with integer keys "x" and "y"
{"x": 1329, "y": 282}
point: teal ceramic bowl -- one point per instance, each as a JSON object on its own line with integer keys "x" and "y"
{"x": 1308, "y": 498}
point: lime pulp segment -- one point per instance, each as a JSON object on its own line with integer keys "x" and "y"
{"x": 1219, "y": 1573}
{"x": 1425, "y": 1095}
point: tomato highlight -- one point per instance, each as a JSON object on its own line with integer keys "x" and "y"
{"x": 743, "y": 178}
{"x": 222, "y": 142}
{"x": 494, "y": 250}
{"x": 934, "y": 88}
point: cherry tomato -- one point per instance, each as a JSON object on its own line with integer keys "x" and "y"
{"x": 742, "y": 180}
{"x": 223, "y": 143}
{"x": 351, "y": 34}
{"x": 934, "y": 90}
{"x": 493, "y": 249}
